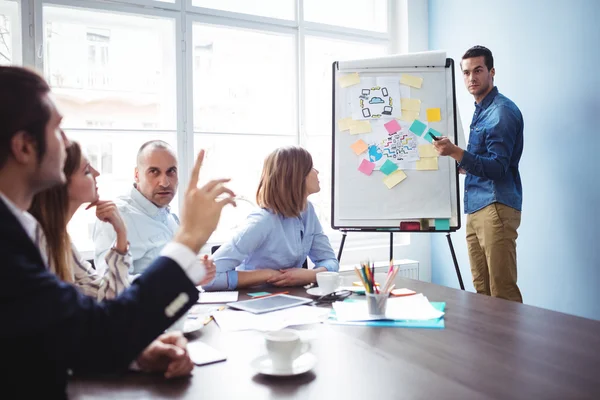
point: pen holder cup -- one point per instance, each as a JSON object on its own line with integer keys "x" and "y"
{"x": 377, "y": 304}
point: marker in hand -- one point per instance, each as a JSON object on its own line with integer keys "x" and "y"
{"x": 436, "y": 138}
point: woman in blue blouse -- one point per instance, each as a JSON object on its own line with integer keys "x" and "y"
{"x": 274, "y": 243}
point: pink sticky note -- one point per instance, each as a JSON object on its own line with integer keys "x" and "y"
{"x": 366, "y": 167}
{"x": 393, "y": 126}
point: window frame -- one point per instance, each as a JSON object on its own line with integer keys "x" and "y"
{"x": 185, "y": 15}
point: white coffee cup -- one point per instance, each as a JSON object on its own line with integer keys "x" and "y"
{"x": 284, "y": 347}
{"x": 328, "y": 281}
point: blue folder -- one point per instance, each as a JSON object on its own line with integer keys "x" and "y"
{"x": 429, "y": 323}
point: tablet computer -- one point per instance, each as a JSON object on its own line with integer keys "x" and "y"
{"x": 270, "y": 303}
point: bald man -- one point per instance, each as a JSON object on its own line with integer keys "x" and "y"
{"x": 145, "y": 211}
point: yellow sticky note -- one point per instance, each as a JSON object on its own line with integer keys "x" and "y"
{"x": 427, "y": 150}
{"x": 349, "y": 80}
{"x": 394, "y": 178}
{"x": 427, "y": 164}
{"x": 344, "y": 123}
{"x": 360, "y": 127}
{"x": 411, "y": 104}
{"x": 359, "y": 146}
{"x": 434, "y": 114}
{"x": 410, "y": 80}
{"x": 409, "y": 116}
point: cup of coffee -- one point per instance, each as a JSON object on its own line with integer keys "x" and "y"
{"x": 328, "y": 281}
{"x": 284, "y": 347}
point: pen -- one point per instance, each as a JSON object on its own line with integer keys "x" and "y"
{"x": 269, "y": 295}
{"x": 433, "y": 136}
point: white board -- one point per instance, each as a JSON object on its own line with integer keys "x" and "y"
{"x": 364, "y": 202}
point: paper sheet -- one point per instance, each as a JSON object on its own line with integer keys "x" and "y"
{"x": 427, "y": 150}
{"x": 359, "y": 146}
{"x": 427, "y": 164}
{"x": 411, "y": 104}
{"x": 231, "y": 320}
{"x": 434, "y": 114}
{"x": 358, "y": 127}
{"x": 344, "y": 124}
{"x": 217, "y": 297}
{"x": 415, "y": 307}
{"x": 411, "y": 80}
{"x": 394, "y": 178}
{"x": 375, "y": 98}
{"x": 409, "y": 116}
{"x": 349, "y": 80}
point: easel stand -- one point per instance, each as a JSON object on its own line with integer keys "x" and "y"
{"x": 458, "y": 274}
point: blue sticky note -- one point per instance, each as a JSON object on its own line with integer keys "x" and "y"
{"x": 433, "y": 132}
{"x": 388, "y": 167}
{"x": 258, "y": 294}
{"x": 442, "y": 224}
{"x": 417, "y": 127}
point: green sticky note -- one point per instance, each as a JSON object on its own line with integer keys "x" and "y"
{"x": 258, "y": 294}
{"x": 442, "y": 224}
{"x": 388, "y": 167}
{"x": 433, "y": 132}
{"x": 417, "y": 127}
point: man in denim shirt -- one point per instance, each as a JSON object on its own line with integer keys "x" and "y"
{"x": 493, "y": 193}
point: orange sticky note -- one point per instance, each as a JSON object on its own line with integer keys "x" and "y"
{"x": 434, "y": 114}
{"x": 359, "y": 146}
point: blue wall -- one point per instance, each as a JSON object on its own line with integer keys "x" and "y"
{"x": 547, "y": 59}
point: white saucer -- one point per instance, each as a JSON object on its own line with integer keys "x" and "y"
{"x": 302, "y": 364}
{"x": 317, "y": 291}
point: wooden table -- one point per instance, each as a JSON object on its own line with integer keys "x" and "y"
{"x": 490, "y": 348}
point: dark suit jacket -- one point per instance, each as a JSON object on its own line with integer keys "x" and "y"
{"x": 48, "y": 328}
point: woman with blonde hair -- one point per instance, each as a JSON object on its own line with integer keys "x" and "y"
{"x": 275, "y": 241}
{"x": 54, "y": 208}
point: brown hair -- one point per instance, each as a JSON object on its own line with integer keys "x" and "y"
{"x": 51, "y": 208}
{"x": 23, "y": 107}
{"x": 282, "y": 187}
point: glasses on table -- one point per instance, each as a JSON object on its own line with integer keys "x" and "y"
{"x": 332, "y": 297}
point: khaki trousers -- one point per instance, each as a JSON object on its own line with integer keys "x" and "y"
{"x": 492, "y": 243}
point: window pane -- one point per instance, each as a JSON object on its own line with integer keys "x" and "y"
{"x": 111, "y": 70}
{"x": 10, "y": 33}
{"x": 113, "y": 154}
{"x": 282, "y": 9}
{"x": 369, "y": 15}
{"x": 320, "y": 54}
{"x": 241, "y": 159}
{"x": 244, "y": 81}
{"x": 320, "y": 150}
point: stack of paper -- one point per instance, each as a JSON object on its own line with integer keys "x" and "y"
{"x": 230, "y": 320}
{"x": 415, "y": 307}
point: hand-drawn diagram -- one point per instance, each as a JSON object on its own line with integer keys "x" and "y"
{"x": 399, "y": 147}
{"x": 376, "y": 98}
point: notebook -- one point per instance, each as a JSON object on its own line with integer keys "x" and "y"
{"x": 217, "y": 297}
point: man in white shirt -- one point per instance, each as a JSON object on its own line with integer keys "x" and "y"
{"x": 51, "y": 328}
{"x": 145, "y": 210}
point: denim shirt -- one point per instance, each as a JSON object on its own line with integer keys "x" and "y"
{"x": 149, "y": 229}
{"x": 271, "y": 241}
{"x": 493, "y": 153}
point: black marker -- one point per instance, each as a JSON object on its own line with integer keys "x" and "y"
{"x": 433, "y": 136}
